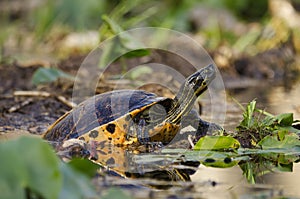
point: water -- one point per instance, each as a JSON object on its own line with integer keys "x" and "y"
{"x": 275, "y": 99}
{"x": 232, "y": 183}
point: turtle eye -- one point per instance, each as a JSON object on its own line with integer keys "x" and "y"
{"x": 192, "y": 80}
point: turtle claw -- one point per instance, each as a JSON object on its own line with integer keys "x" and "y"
{"x": 73, "y": 148}
{"x": 149, "y": 147}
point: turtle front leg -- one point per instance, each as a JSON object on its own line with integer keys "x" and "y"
{"x": 200, "y": 127}
{"x": 141, "y": 132}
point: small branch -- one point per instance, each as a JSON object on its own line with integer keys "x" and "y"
{"x": 19, "y": 106}
{"x": 32, "y": 93}
{"x": 66, "y": 102}
{"x": 191, "y": 141}
{"x": 41, "y": 94}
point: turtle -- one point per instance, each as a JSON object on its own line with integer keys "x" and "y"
{"x": 126, "y": 118}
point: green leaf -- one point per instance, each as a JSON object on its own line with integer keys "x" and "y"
{"x": 126, "y": 41}
{"x": 291, "y": 151}
{"x": 284, "y": 167}
{"x": 246, "y": 40}
{"x": 268, "y": 121}
{"x": 290, "y": 129}
{"x": 29, "y": 166}
{"x": 247, "y": 122}
{"x": 217, "y": 143}
{"x": 75, "y": 184}
{"x": 42, "y": 166}
{"x": 285, "y": 119}
{"x": 137, "y": 53}
{"x": 248, "y": 172}
{"x": 84, "y": 166}
{"x": 47, "y": 75}
{"x": 13, "y": 176}
{"x": 290, "y": 140}
{"x": 29, "y": 163}
{"x": 286, "y": 159}
{"x": 281, "y": 134}
{"x": 114, "y": 27}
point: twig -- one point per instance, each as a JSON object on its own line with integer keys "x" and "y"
{"x": 191, "y": 141}
{"x": 18, "y": 106}
{"x": 43, "y": 94}
{"x": 66, "y": 102}
{"x": 32, "y": 93}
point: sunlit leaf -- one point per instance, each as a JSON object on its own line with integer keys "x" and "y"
{"x": 217, "y": 143}
{"x": 47, "y": 75}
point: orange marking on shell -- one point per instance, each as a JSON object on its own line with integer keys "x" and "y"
{"x": 119, "y": 132}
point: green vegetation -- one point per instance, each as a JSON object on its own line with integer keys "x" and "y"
{"x": 30, "y": 169}
{"x": 276, "y": 143}
{"x": 267, "y": 130}
{"x": 89, "y": 14}
{"x": 217, "y": 143}
{"x": 50, "y": 21}
{"x": 48, "y": 75}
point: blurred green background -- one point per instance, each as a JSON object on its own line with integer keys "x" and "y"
{"x": 43, "y": 25}
{"x": 51, "y": 20}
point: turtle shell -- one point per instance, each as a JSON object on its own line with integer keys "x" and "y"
{"x": 106, "y": 111}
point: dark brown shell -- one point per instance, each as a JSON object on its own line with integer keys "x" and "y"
{"x": 98, "y": 110}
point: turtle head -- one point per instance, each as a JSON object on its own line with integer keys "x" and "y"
{"x": 193, "y": 87}
{"x": 197, "y": 83}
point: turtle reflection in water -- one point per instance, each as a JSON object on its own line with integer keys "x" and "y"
{"x": 116, "y": 122}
